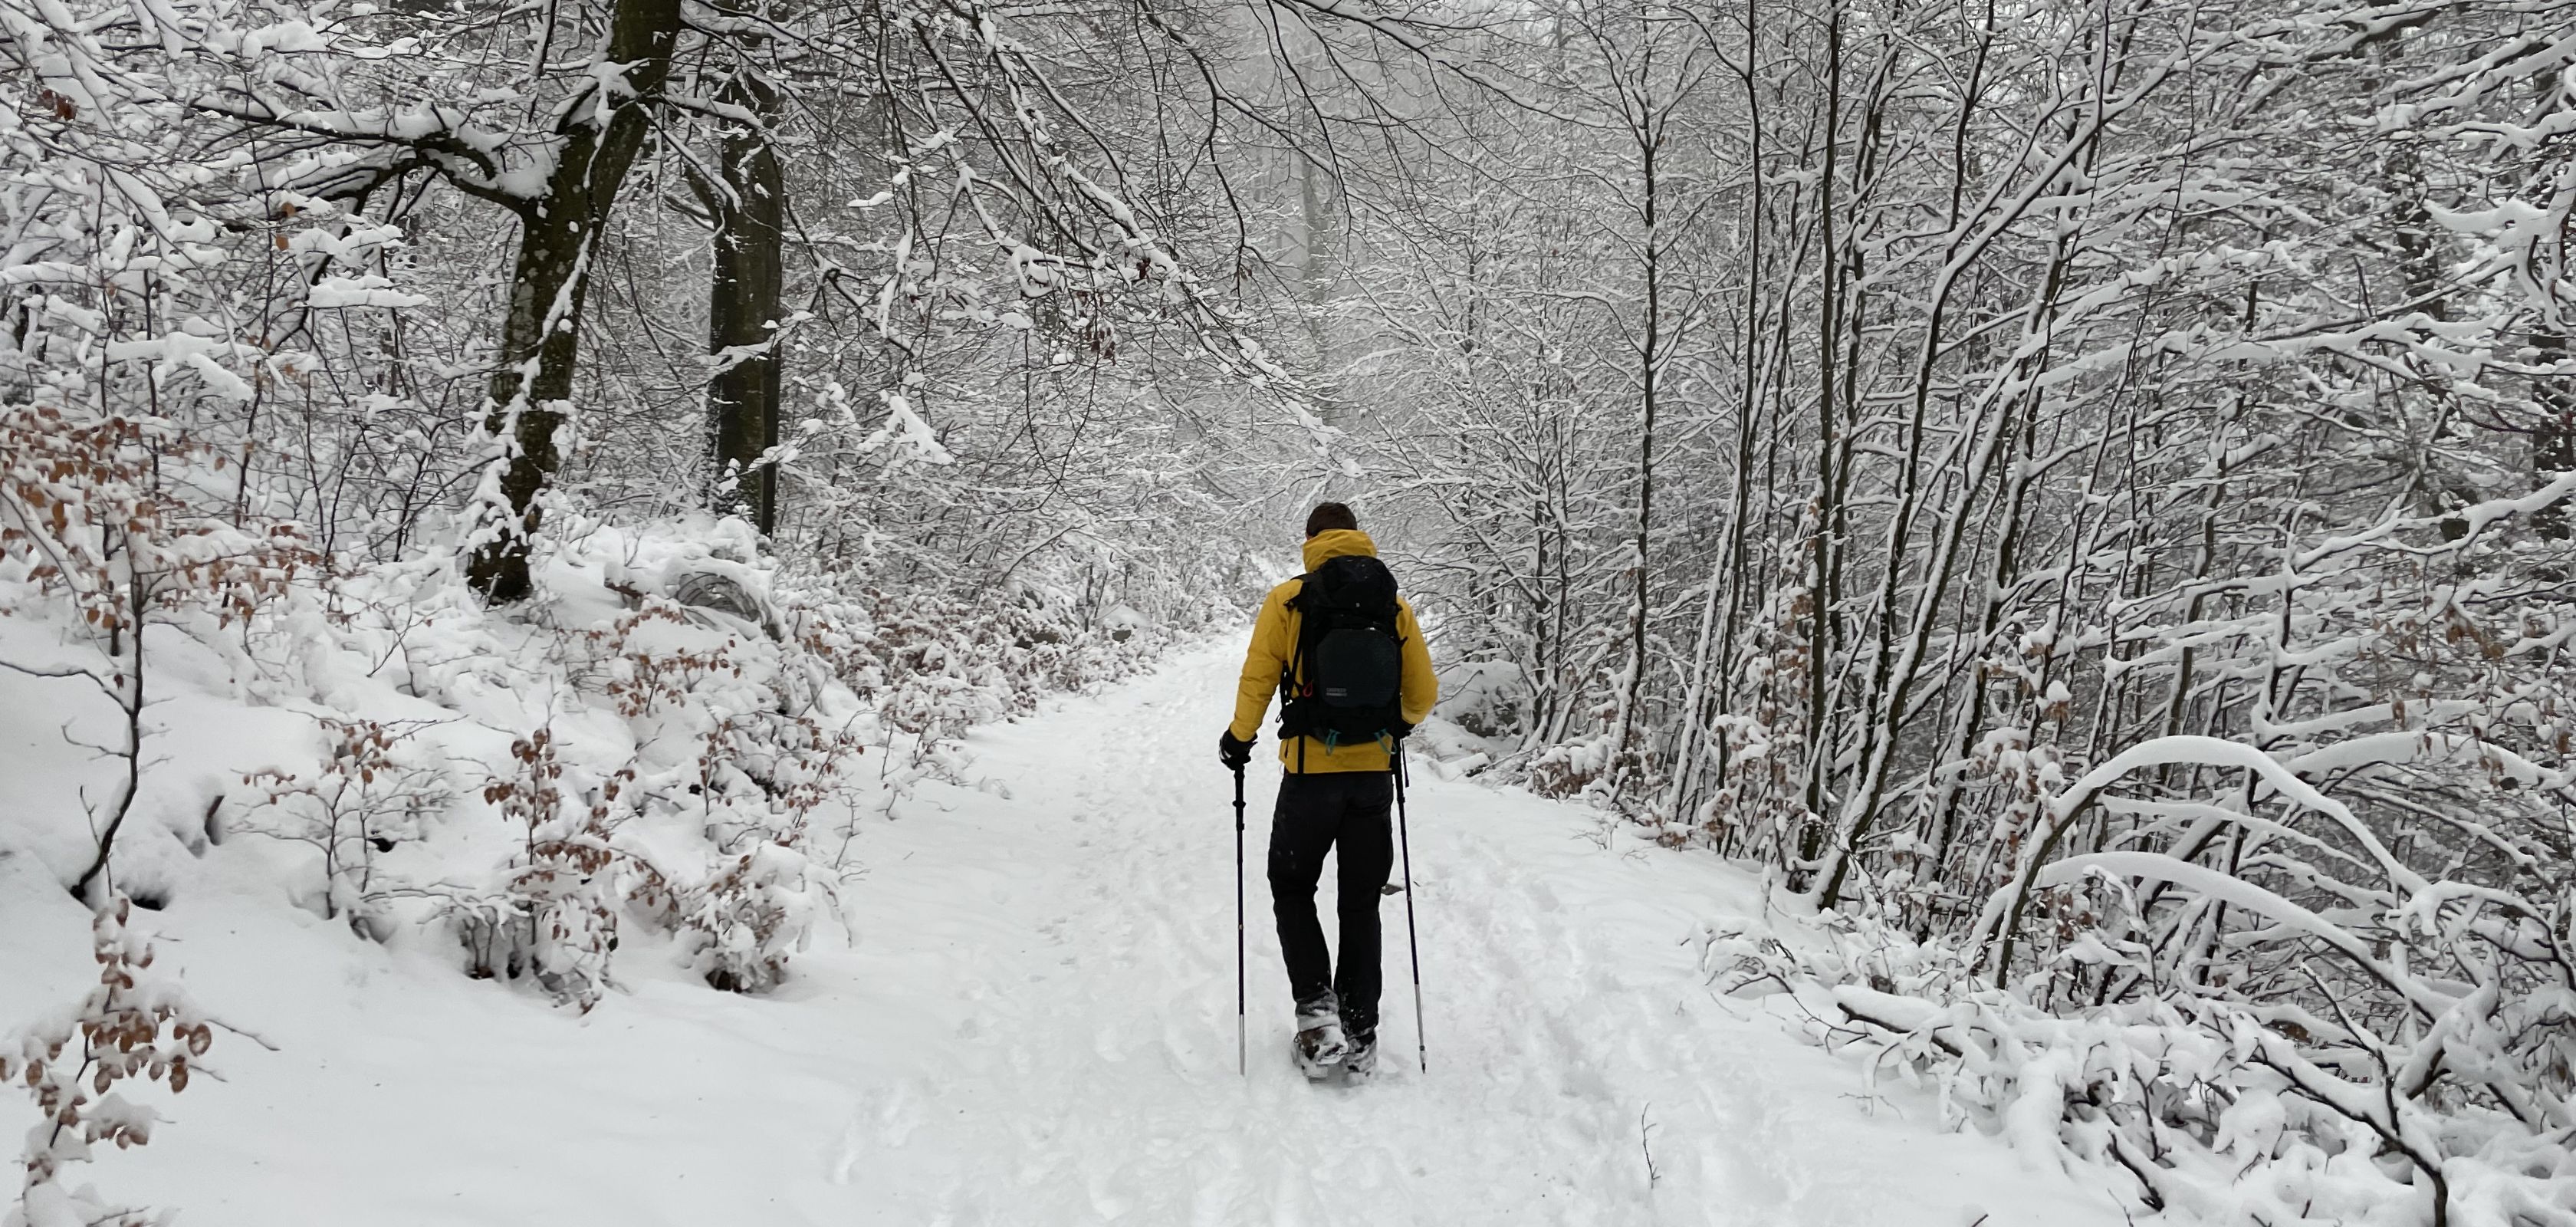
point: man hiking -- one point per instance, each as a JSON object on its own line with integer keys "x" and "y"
{"x": 1344, "y": 653}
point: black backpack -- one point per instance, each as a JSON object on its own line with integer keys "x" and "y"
{"x": 1344, "y": 681}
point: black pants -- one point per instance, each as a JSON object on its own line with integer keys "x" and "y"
{"x": 1317, "y": 813}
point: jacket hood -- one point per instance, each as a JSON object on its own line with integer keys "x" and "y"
{"x": 1335, "y": 543}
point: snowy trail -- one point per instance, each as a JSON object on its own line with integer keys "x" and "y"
{"x": 1036, "y": 1026}
{"x": 1570, "y": 1035}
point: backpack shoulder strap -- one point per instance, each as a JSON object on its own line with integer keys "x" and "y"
{"x": 1295, "y": 604}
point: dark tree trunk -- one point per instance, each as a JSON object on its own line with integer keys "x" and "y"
{"x": 742, "y": 310}
{"x": 1629, "y": 762}
{"x": 1822, "y": 583}
{"x": 531, "y": 389}
{"x": 2553, "y": 437}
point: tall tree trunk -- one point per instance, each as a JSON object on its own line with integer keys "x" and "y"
{"x": 2553, "y": 437}
{"x": 1823, "y": 547}
{"x": 743, "y": 309}
{"x": 600, "y": 132}
{"x": 1725, "y": 597}
{"x": 1629, "y": 762}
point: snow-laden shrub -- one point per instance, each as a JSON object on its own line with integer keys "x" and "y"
{"x": 2318, "y": 1033}
{"x": 936, "y": 666}
{"x": 1574, "y": 768}
{"x": 699, "y": 768}
{"x": 1483, "y": 697}
{"x": 376, "y": 787}
{"x": 136, "y": 1023}
{"x": 553, "y": 916}
{"x": 2217, "y": 1112}
{"x": 101, "y": 533}
{"x": 743, "y": 923}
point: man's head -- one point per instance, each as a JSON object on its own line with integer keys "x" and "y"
{"x": 1329, "y": 516}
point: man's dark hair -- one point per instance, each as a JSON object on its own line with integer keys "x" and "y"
{"x": 1328, "y": 516}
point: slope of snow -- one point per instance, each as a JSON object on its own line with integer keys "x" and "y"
{"x": 1029, "y": 1019}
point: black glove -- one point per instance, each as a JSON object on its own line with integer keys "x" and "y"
{"x": 1236, "y": 755}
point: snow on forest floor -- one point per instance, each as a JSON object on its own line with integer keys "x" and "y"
{"x": 1035, "y": 1025}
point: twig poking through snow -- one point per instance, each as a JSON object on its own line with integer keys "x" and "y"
{"x": 1645, "y": 1144}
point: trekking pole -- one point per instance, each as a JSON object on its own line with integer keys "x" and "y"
{"x": 1242, "y": 1065}
{"x": 1404, "y": 837}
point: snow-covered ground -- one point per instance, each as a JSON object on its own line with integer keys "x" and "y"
{"x": 1030, "y": 1020}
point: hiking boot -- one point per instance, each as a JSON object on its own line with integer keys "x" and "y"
{"x": 1320, "y": 1042}
{"x": 1362, "y": 1060}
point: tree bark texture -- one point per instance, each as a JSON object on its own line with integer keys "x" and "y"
{"x": 743, "y": 309}
{"x": 2553, "y": 437}
{"x": 600, "y": 133}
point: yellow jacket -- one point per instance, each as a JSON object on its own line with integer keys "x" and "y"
{"x": 1274, "y": 640}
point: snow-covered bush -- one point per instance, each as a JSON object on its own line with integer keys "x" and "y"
{"x": 696, "y": 770}
{"x": 744, "y": 921}
{"x": 136, "y": 1023}
{"x": 2309, "y": 1030}
{"x": 97, "y": 526}
{"x": 770, "y": 754}
{"x": 553, "y": 915}
{"x": 376, "y": 787}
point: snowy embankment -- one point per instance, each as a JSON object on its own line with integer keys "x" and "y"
{"x": 1025, "y": 1015}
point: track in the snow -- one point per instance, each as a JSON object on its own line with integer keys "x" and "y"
{"x": 1580, "y": 1071}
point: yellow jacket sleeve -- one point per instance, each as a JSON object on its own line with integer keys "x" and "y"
{"x": 1421, "y": 682}
{"x": 1271, "y": 645}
